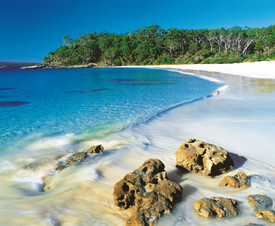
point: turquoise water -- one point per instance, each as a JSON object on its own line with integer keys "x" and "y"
{"x": 35, "y": 103}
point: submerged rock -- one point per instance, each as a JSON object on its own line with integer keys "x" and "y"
{"x": 215, "y": 206}
{"x": 78, "y": 157}
{"x": 148, "y": 190}
{"x": 69, "y": 160}
{"x": 261, "y": 204}
{"x": 252, "y": 224}
{"x": 259, "y": 201}
{"x": 266, "y": 214}
{"x": 239, "y": 180}
{"x": 72, "y": 160}
{"x": 200, "y": 157}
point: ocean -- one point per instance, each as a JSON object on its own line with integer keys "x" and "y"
{"x": 135, "y": 114}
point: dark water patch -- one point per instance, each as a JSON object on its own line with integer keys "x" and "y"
{"x": 12, "y": 103}
{"x": 165, "y": 83}
{"x": 3, "y": 96}
{"x": 6, "y": 88}
{"x": 141, "y": 84}
{"x": 133, "y": 80}
{"x": 88, "y": 90}
{"x": 146, "y": 83}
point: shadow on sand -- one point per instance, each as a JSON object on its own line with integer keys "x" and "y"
{"x": 238, "y": 160}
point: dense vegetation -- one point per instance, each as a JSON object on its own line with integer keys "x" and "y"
{"x": 154, "y": 45}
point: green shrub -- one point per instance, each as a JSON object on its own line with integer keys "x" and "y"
{"x": 117, "y": 63}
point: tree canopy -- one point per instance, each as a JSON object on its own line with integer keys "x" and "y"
{"x": 154, "y": 45}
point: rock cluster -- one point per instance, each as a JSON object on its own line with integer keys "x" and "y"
{"x": 239, "y": 180}
{"x": 200, "y": 157}
{"x": 148, "y": 190}
{"x": 216, "y": 206}
{"x": 261, "y": 204}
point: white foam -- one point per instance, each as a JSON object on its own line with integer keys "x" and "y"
{"x": 52, "y": 220}
{"x": 34, "y": 183}
{"x": 56, "y": 142}
{"x": 199, "y": 76}
{"x": 6, "y": 165}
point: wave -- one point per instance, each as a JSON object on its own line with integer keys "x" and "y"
{"x": 221, "y": 89}
{"x": 215, "y": 93}
{"x": 199, "y": 76}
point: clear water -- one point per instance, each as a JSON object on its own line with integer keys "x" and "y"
{"x": 83, "y": 101}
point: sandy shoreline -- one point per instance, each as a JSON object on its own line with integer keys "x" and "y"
{"x": 263, "y": 69}
{"x": 240, "y": 119}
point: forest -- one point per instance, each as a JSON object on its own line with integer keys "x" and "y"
{"x": 153, "y": 45}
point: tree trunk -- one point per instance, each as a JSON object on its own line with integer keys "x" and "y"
{"x": 246, "y": 46}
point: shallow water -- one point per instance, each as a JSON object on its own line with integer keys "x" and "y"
{"x": 241, "y": 119}
{"x": 50, "y": 102}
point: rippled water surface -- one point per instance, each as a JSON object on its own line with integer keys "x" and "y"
{"x": 70, "y": 100}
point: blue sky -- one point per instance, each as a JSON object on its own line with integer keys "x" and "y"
{"x": 30, "y": 29}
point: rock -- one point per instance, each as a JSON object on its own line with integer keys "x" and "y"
{"x": 148, "y": 190}
{"x": 78, "y": 157}
{"x": 42, "y": 66}
{"x": 260, "y": 201}
{"x": 239, "y": 180}
{"x": 95, "y": 149}
{"x": 200, "y": 157}
{"x": 266, "y": 214}
{"x": 66, "y": 161}
{"x": 221, "y": 207}
{"x": 72, "y": 160}
{"x": 261, "y": 204}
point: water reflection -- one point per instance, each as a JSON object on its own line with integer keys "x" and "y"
{"x": 265, "y": 85}
{"x": 244, "y": 85}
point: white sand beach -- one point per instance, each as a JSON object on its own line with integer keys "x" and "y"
{"x": 241, "y": 119}
{"x": 263, "y": 69}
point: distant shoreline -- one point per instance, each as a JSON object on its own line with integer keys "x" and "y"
{"x": 16, "y": 64}
{"x": 261, "y": 69}
{"x": 53, "y": 66}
